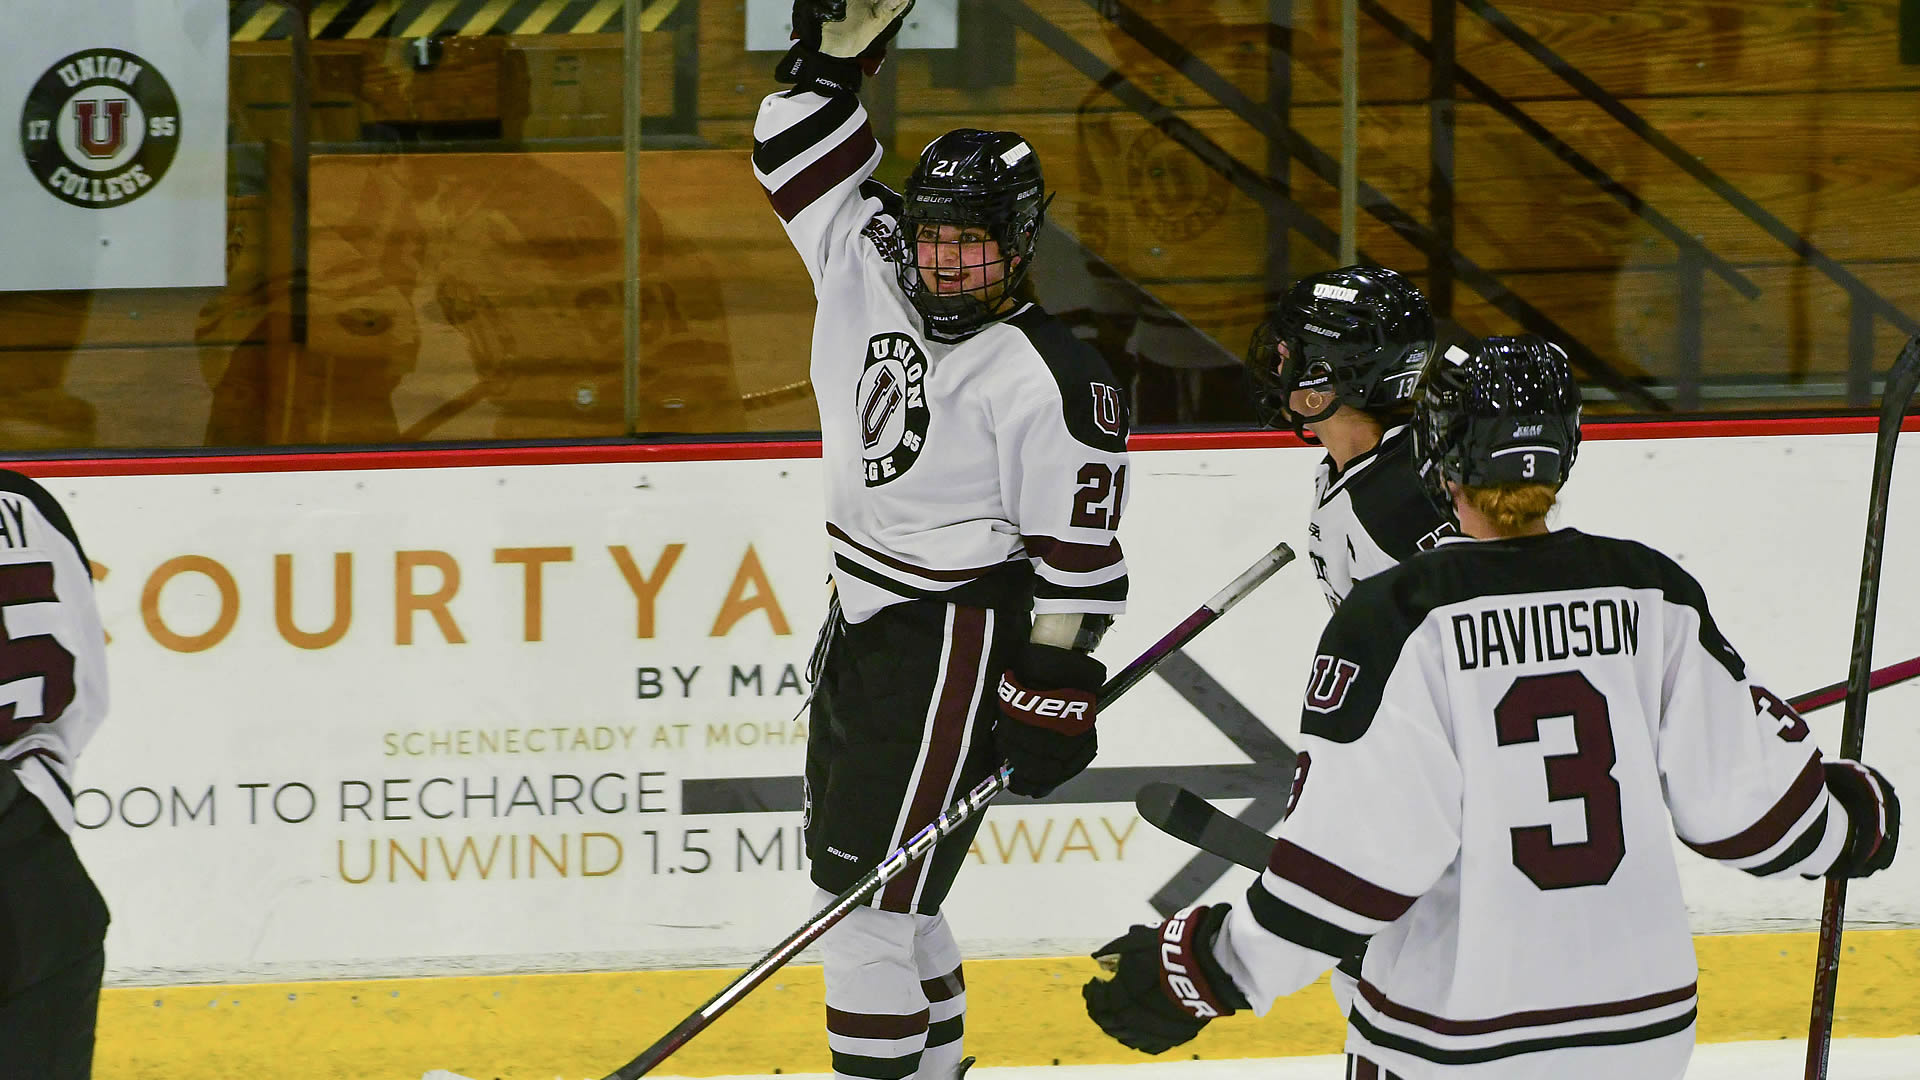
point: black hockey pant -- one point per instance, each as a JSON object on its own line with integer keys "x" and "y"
{"x": 52, "y": 924}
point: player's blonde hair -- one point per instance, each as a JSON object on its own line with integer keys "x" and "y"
{"x": 1512, "y": 507}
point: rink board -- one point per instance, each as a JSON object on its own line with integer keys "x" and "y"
{"x": 1020, "y": 1012}
{"x": 529, "y": 714}
{"x": 488, "y": 718}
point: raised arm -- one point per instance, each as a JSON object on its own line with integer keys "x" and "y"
{"x": 813, "y": 149}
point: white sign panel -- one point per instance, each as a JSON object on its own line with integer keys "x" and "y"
{"x": 548, "y": 717}
{"x": 118, "y": 177}
{"x": 932, "y": 24}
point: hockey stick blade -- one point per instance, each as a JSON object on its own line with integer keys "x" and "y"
{"x": 924, "y": 841}
{"x": 1194, "y": 821}
{"x": 1894, "y": 400}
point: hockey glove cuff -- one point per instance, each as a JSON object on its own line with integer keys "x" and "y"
{"x": 1048, "y": 702}
{"x": 837, "y": 42}
{"x": 1873, "y": 818}
{"x": 1166, "y": 984}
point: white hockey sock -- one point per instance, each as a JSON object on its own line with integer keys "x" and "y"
{"x": 937, "y": 957}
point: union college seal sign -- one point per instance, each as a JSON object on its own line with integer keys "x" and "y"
{"x": 100, "y": 128}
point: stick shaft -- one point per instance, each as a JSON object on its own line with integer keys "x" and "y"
{"x": 1837, "y": 692}
{"x": 949, "y": 820}
{"x": 1901, "y": 380}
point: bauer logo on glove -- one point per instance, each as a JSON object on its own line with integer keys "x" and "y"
{"x": 1174, "y": 973}
{"x": 1073, "y": 708}
{"x": 1164, "y": 984}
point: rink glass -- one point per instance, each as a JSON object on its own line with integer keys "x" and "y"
{"x": 456, "y": 222}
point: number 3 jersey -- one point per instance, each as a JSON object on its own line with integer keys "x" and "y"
{"x": 950, "y": 469}
{"x": 53, "y": 693}
{"x": 1495, "y": 737}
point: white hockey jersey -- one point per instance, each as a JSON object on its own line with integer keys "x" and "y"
{"x": 961, "y": 471}
{"x": 53, "y": 673}
{"x": 1369, "y": 516}
{"x": 1494, "y": 736}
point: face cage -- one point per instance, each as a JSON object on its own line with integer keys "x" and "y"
{"x": 1432, "y": 427}
{"x": 952, "y": 317}
{"x": 1273, "y": 389}
{"x": 1269, "y": 396}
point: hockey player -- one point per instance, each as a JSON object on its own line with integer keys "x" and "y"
{"x": 1336, "y": 362}
{"x": 1523, "y": 904}
{"x": 52, "y": 919}
{"x": 976, "y": 472}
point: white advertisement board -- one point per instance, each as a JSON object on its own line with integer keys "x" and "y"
{"x": 118, "y": 179}
{"x": 548, "y": 717}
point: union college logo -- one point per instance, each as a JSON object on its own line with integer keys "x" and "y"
{"x": 891, "y": 407}
{"x": 1106, "y": 408}
{"x": 1332, "y": 678}
{"x": 100, "y": 128}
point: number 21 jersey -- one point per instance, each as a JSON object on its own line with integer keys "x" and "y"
{"x": 959, "y": 471}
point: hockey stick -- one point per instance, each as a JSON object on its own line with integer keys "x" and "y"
{"x": 1894, "y": 399}
{"x": 949, "y": 820}
{"x": 1196, "y": 822}
{"x": 1193, "y": 820}
{"x": 1879, "y": 680}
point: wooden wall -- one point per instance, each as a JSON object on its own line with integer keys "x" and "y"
{"x": 478, "y": 295}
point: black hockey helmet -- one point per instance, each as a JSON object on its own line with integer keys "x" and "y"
{"x": 1360, "y": 332}
{"x": 969, "y": 178}
{"x": 1506, "y": 413}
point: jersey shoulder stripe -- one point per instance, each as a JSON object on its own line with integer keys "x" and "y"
{"x": 798, "y": 137}
{"x": 1382, "y": 612}
{"x": 809, "y": 184}
{"x": 43, "y": 501}
{"x": 1389, "y": 503}
{"x": 1094, "y": 409}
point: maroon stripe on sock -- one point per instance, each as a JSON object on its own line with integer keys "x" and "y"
{"x": 855, "y": 1025}
{"x": 946, "y": 987}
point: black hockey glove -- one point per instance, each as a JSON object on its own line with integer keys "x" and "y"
{"x": 838, "y": 42}
{"x": 1047, "y": 702}
{"x": 1166, "y": 984}
{"x": 1873, "y": 818}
